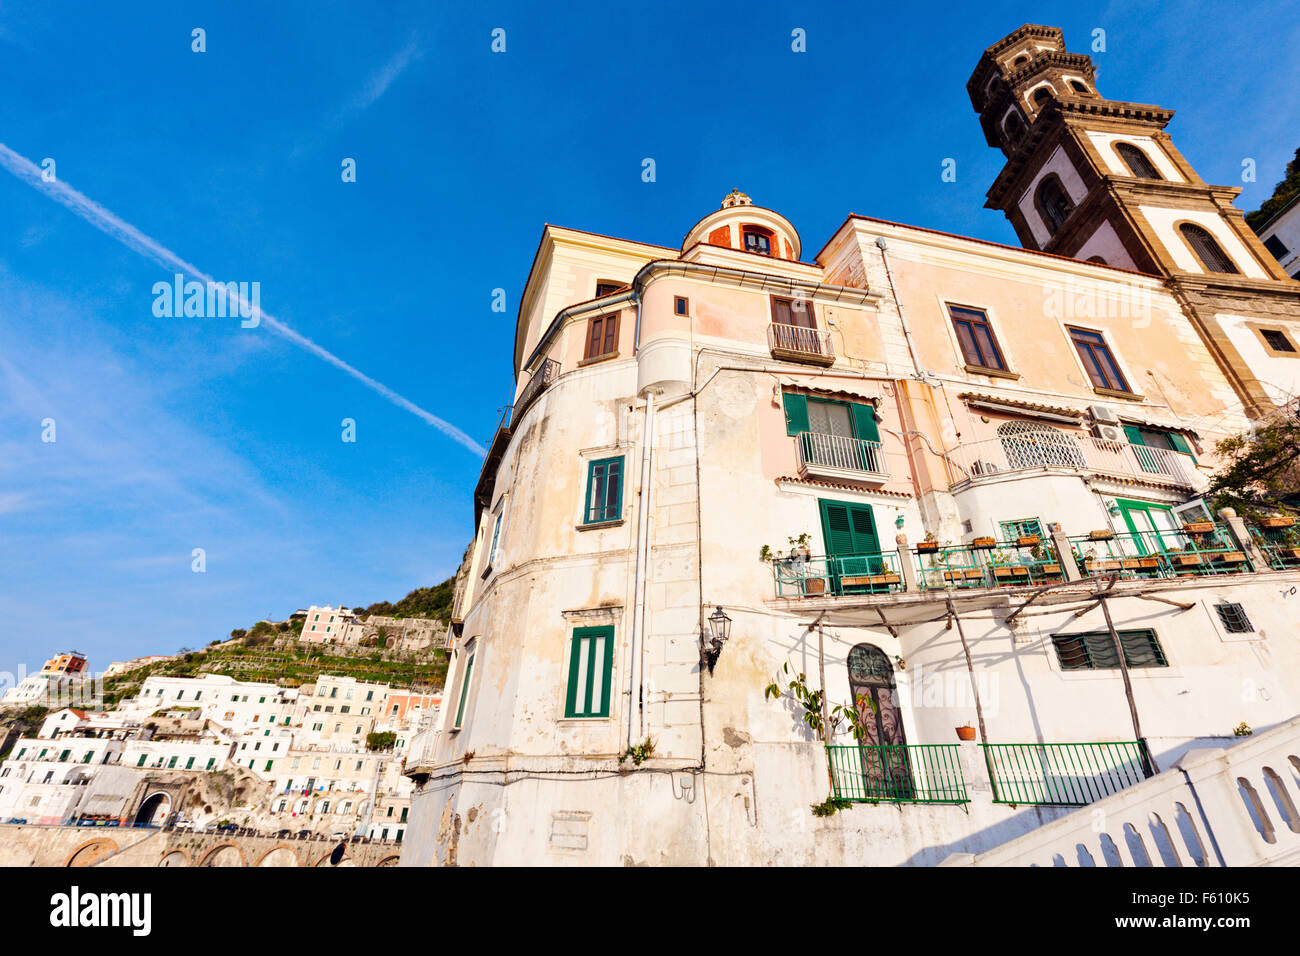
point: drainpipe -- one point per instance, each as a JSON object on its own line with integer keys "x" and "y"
{"x": 636, "y": 709}
{"x": 898, "y": 304}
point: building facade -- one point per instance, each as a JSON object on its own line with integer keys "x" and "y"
{"x": 946, "y": 480}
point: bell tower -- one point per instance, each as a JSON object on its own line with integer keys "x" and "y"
{"x": 1098, "y": 179}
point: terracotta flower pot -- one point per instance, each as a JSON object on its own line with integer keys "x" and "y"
{"x": 927, "y": 547}
{"x": 1277, "y": 521}
{"x": 1028, "y": 541}
{"x": 1198, "y": 527}
{"x": 983, "y": 542}
{"x": 966, "y": 732}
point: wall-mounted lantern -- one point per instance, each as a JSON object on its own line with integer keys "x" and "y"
{"x": 711, "y": 640}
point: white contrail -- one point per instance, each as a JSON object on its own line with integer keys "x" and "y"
{"x": 128, "y": 235}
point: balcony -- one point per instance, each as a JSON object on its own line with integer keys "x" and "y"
{"x": 541, "y": 379}
{"x": 897, "y": 773}
{"x": 1198, "y": 549}
{"x": 840, "y": 457}
{"x": 853, "y": 574}
{"x": 1064, "y": 775}
{"x": 796, "y": 343}
{"x": 1056, "y": 450}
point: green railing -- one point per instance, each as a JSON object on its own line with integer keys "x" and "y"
{"x": 1003, "y": 564}
{"x": 1161, "y": 554}
{"x": 897, "y": 773}
{"x": 1280, "y": 546}
{"x": 875, "y": 573}
{"x": 1064, "y": 775}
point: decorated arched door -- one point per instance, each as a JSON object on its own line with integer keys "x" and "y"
{"x": 883, "y": 750}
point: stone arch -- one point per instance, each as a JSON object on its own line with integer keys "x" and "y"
{"x": 155, "y": 809}
{"x": 280, "y": 855}
{"x": 91, "y": 852}
{"x": 224, "y": 854}
{"x": 337, "y": 856}
{"x": 175, "y": 857}
{"x": 389, "y": 861}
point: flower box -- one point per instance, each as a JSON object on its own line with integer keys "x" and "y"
{"x": 1103, "y": 564}
{"x": 868, "y": 580}
{"x": 927, "y": 547}
{"x": 1101, "y": 535}
{"x": 1277, "y": 521}
{"x": 1010, "y": 571}
{"x": 1186, "y": 560}
{"x": 1028, "y": 541}
{"x": 964, "y": 574}
{"x": 984, "y": 542}
{"x": 812, "y": 586}
{"x": 1231, "y": 557}
{"x": 1198, "y": 527}
{"x": 1050, "y": 570}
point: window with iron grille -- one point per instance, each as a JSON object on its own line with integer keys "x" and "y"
{"x": 1096, "y": 651}
{"x": 1277, "y": 340}
{"x": 1022, "y": 528}
{"x": 1234, "y": 618}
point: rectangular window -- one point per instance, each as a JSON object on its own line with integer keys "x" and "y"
{"x": 602, "y": 336}
{"x": 681, "y": 305}
{"x": 606, "y": 287}
{"x": 143, "y": 758}
{"x": 591, "y": 663}
{"x": 496, "y": 535}
{"x": 604, "y": 491}
{"x": 1234, "y": 618}
{"x": 1096, "y": 651}
{"x": 1276, "y": 246}
{"x": 975, "y": 336}
{"x": 189, "y": 764}
{"x": 1097, "y": 360}
{"x": 1277, "y": 341}
{"x": 793, "y": 312}
{"x": 172, "y": 762}
{"x": 470, "y": 652}
{"x": 1021, "y": 528}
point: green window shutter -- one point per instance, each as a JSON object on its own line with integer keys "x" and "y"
{"x": 1181, "y": 444}
{"x": 1134, "y": 435}
{"x": 864, "y": 422}
{"x": 604, "y": 501}
{"x": 591, "y": 664}
{"x": 848, "y": 529}
{"x": 865, "y": 539}
{"x": 464, "y": 689}
{"x": 796, "y": 413}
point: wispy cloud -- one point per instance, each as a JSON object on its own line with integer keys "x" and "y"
{"x": 381, "y": 80}
{"x": 111, "y": 225}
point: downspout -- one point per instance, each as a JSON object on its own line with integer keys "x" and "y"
{"x": 898, "y": 304}
{"x": 636, "y": 707}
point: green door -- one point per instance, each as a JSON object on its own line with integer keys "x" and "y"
{"x": 1146, "y": 520}
{"x": 852, "y": 545}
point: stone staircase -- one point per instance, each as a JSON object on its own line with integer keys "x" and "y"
{"x": 1234, "y": 806}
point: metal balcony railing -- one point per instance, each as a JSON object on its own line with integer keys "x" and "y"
{"x": 876, "y": 573}
{"x": 1162, "y": 554}
{"x": 541, "y": 379}
{"x": 1064, "y": 775}
{"x": 800, "y": 343}
{"x": 1279, "y": 541}
{"x": 1068, "y": 451}
{"x": 897, "y": 773}
{"x": 999, "y": 564}
{"x": 840, "y": 452}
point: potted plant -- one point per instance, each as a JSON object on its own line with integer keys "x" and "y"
{"x": 928, "y": 545}
{"x": 1198, "y": 527}
{"x": 984, "y": 542}
{"x": 966, "y": 732}
{"x": 1276, "y": 521}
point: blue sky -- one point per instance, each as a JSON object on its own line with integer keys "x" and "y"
{"x": 176, "y": 434}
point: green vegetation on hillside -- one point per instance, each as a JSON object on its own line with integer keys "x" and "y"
{"x": 287, "y": 664}
{"x": 434, "y": 602}
{"x": 1283, "y": 193}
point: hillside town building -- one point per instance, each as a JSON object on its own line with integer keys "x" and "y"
{"x": 956, "y": 484}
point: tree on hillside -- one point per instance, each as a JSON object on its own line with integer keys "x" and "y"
{"x": 1283, "y": 193}
{"x": 1260, "y": 470}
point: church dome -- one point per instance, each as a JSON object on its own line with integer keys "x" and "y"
{"x": 739, "y": 224}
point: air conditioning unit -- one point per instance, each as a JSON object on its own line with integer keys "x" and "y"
{"x": 1108, "y": 432}
{"x": 1103, "y": 414}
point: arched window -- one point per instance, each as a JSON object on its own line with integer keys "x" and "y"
{"x": 1079, "y": 87}
{"x": 1138, "y": 163}
{"x": 1042, "y": 95}
{"x": 882, "y": 762}
{"x": 1053, "y": 203}
{"x": 1099, "y": 260}
{"x": 1211, "y": 254}
{"x": 1035, "y": 445}
{"x": 759, "y": 240}
{"x": 1020, "y": 61}
{"x": 1014, "y": 127}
